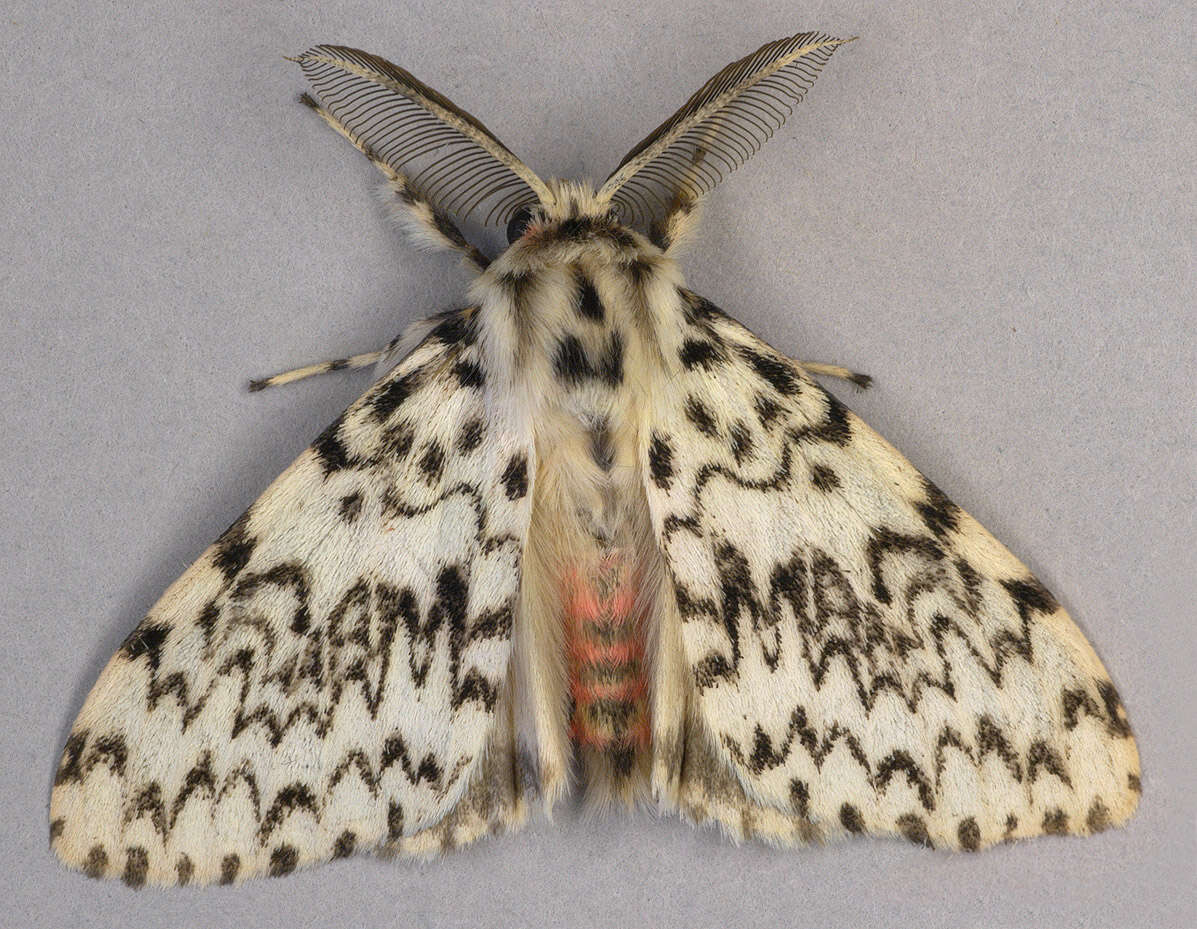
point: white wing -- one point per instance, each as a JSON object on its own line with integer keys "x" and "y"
{"x": 329, "y": 674}
{"x": 865, "y": 656}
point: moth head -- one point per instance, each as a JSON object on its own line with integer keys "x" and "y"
{"x": 573, "y": 202}
{"x": 433, "y": 151}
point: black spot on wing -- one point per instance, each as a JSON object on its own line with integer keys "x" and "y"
{"x": 701, "y": 417}
{"x": 1030, "y": 596}
{"x": 660, "y": 461}
{"x": 1098, "y": 818}
{"x": 698, "y": 308}
{"x": 800, "y": 798}
{"x": 234, "y": 547}
{"x": 700, "y": 353}
{"x": 779, "y": 374}
{"x": 432, "y": 462}
{"x": 351, "y": 507}
{"x": 1055, "y": 822}
{"x": 835, "y": 428}
{"x": 824, "y": 478}
{"x": 470, "y": 436}
{"x": 469, "y": 374}
{"x": 851, "y": 819}
{"x": 346, "y": 843}
{"x": 515, "y": 477}
{"x": 330, "y": 450}
{"x": 396, "y": 441}
{"x": 394, "y": 821}
{"x": 939, "y": 513}
{"x": 914, "y": 829}
{"x": 1115, "y": 713}
{"x": 283, "y": 860}
{"x": 147, "y": 640}
{"x": 97, "y": 862}
{"x": 768, "y": 410}
{"x": 137, "y": 865}
{"x": 456, "y": 328}
{"x": 968, "y": 833}
{"x": 394, "y": 394}
{"x": 229, "y": 866}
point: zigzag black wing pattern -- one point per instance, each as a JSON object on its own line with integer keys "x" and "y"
{"x": 866, "y": 657}
{"x": 327, "y": 675}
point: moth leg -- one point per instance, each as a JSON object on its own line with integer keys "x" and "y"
{"x": 363, "y": 360}
{"x": 430, "y": 226}
{"x": 863, "y": 381}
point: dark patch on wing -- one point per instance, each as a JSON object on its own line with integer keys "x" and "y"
{"x": 432, "y": 462}
{"x": 457, "y": 327}
{"x": 137, "y": 865}
{"x": 914, "y": 829}
{"x": 345, "y": 845}
{"x": 351, "y": 507}
{"x": 939, "y": 513}
{"x": 824, "y": 478}
{"x": 515, "y": 477}
{"x": 229, "y": 866}
{"x": 470, "y": 436}
{"x": 660, "y": 460}
{"x": 768, "y": 410}
{"x": 779, "y": 374}
{"x": 146, "y": 640}
{"x": 968, "y": 833}
{"x": 234, "y": 548}
{"x": 394, "y": 394}
{"x": 701, "y": 417}
{"x": 283, "y": 860}
{"x": 397, "y": 439}
{"x": 331, "y": 451}
{"x": 701, "y": 353}
{"x": 469, "y": 374}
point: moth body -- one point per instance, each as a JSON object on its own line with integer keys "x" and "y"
{"x": 571, "y": 305}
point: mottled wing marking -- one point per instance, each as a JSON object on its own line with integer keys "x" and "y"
{"x": 325, "y": 677}
{"x": 866, "y": 656}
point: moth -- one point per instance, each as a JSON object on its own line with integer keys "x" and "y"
{"x": 585, "y": 529}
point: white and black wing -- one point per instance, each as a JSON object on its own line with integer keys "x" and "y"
{"x": 330, "y": 674}
{"x": 865, "y": 657}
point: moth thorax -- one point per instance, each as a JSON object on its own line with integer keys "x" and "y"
{"x": 605, "y": 647}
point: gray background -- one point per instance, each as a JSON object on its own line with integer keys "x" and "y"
{"x": 989, "y": 207}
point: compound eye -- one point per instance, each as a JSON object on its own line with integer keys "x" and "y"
{"x": 519, "y": 223}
